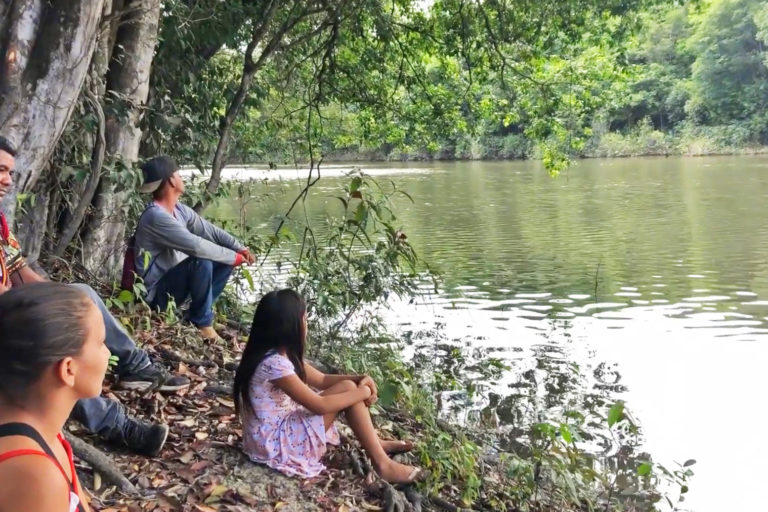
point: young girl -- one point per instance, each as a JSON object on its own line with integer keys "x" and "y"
{"x": 53, "y": 354}
{"x": 286, "y": 423}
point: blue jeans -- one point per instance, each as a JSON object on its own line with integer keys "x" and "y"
{"x": 201, "y": 280}
{"x": 101, "y": 415}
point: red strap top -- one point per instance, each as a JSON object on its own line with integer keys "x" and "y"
{"x": 67, "y": 448}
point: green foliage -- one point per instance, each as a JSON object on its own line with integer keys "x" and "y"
{"x": 697, "y": 83}
{"x": 729, "y": 79}
{"x": 366, "y": 259}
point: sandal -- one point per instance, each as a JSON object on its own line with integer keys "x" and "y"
{"x": 417, "y": 475}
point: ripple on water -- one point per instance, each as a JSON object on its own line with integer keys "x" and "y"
{"x": 595, "y": 305}
{"x": 707, "y": 298}
{"x": 533, "y": 295}
{"x": 537, "y": 307}
{"x": 532, "y": 315}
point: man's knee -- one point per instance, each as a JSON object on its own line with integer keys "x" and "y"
{"x": 201, "y": 265}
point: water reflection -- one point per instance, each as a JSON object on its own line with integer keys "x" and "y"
{"x": 650, "y": 274}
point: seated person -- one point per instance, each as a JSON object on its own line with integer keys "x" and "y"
{"x": 105, "y": 417}
{"x": 179, "y": 254}
{"x": 286, "y": 423}
{"x": 53, "y": 356}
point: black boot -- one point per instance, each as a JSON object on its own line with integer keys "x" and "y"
{"x": 152, "y": 376}
{"x": 140, "y": 437}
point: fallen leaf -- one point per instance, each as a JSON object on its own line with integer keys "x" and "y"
{"x": 226, "y": 402}
{"x": 218, "y": 491}
{"x": 187, "y": 457}
{"x": 199, "y": 466}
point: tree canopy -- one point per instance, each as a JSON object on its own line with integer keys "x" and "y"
{"x": 213, "y": 83}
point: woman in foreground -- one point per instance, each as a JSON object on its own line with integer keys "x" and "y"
{"x": 53, "y": 354}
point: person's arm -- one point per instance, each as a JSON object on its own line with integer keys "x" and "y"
{"x": 26, "y": 275}
{"x": 32, "y": 484}
{"x": 320, "y": 380}
{"x": 165, "y": 231}
{"x": 204, "y": 229}
{"x": 320, "y": 404}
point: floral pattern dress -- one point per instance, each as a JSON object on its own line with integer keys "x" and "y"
{"x": 280, "y": 432}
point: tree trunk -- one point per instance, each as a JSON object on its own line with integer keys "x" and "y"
{"x": 94, "y": 92}
{"x": 127, "y": 89}
{"x": 32, "y": 219}
{"x": 46, "y": 47}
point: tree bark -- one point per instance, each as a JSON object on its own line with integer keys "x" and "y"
{"x": 127, "y": 89}
{"x": 94, "y": 92}
{"x": 32, "y": 221}
{"x": 45, "y": 51}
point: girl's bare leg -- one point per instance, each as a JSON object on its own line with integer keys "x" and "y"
{"x": 360, "y": 421}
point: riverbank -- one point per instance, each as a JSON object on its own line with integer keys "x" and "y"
{"x": 641, "y": 141}
{"x": 202, "y": 467}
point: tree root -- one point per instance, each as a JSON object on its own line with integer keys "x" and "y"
{"x": 239, "y": 327}
{"x": 414, "y": 497}
{"x": 218, "y": 389}
{"x": 357, "y": 465}
{"x": 394, "y": 500}
{"x": 446, "y": 505}
{"x": 172, "y": 356}
{"x": 101, "y": 463}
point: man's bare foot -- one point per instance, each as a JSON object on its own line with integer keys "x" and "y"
{"x": 396, "y": 473}
{"x": 208, "y": 333}
{"x": 393, "y": 447}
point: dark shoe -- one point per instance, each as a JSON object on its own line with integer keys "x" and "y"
{"x": 152, "y": 376}
{"x": 141, "y": 437}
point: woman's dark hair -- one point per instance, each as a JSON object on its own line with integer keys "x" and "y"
{"x": 40, "y": 324}
{"x": 277, "y": 324}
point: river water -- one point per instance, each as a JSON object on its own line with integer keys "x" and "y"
{"x": 651, "y": 273}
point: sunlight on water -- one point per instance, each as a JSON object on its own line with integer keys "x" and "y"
{"x": 650, "y": 273}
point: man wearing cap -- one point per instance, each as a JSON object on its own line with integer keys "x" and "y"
{"x": 135, "y": 370}
{"x": 179, "y": 254}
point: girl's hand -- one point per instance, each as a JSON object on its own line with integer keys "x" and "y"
{"x": 369, "y": 382}
{"x": 368, "y": 391}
